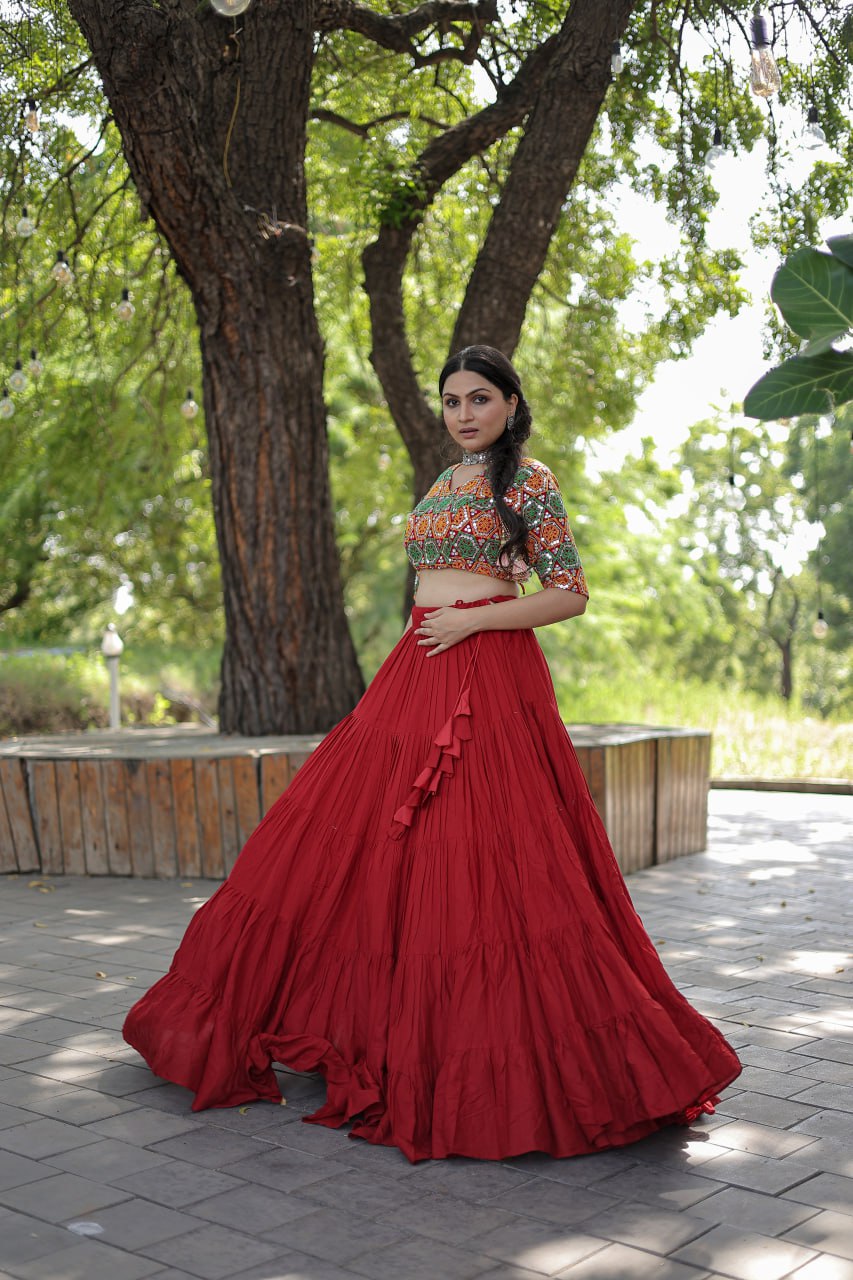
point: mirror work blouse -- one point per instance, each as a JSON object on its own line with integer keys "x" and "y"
{"x": 462, "y": 530}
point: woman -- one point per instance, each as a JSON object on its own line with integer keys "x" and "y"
{"x": 431, "y": 914}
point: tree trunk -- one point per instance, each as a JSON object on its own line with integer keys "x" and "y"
{"x": 787, "y": 688}
{"x": 213, "y": 121}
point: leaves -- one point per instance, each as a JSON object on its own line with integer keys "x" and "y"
{"x": 803, "y": 384}
{"x": 814, "y": 292}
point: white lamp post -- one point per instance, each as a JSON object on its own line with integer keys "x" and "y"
{"x": 111, "y": 647}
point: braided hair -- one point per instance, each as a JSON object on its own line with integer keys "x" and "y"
{"x": 506, "y": 453}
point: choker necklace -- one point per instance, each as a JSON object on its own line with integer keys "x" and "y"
{"x": 475, "y": 459}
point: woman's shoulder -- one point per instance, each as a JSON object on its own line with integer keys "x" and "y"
{"x": 533, "y": 474}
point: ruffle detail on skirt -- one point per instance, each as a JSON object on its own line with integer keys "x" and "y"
{"x": 446, "y": 750}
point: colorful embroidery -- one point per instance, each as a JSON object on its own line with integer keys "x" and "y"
{"x": 461, "y": 530}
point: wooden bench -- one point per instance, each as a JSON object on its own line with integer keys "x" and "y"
{"x": 182, "y": 801}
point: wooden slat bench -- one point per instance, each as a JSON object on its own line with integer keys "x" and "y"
{"x": 181, "y": 802}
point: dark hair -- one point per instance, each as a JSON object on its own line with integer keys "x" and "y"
{"x": 506, "y": 453}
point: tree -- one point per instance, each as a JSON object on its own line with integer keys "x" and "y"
{"x": 214, "y": 125}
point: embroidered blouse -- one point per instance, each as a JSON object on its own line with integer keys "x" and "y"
{"x": 462, "y": 529}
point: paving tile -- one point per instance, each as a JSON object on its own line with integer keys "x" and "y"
{"x": 831, "y": 1156}
{"x": 758, "y": 1173}
{"x": 15, "y": 1049}
{"x": 828, "y": 1231}
{"x": 88, "y": 1260}
{"x": 776, "y": 1084}
{"x": 254, "y": 1209}
{"x": 620, "y": 1262}
{"x": 62, "y": 1197}
{"x": 443, "y": 1218}
{"x": 284, "y": 1168}
{"x": 16, "y": 1170}
{"x": 213, "y": 1252}
{"x": 178, "y": 1184}
{"x": 760, "y": 1139}
{"x": 825, "y": 1267}
{"x": 828, "y": 1124}
{"x": 647, "y": 1226}
{"x": 763, "y": 1109}
{"x": 75, "y": 1105}
{"x": 653, "y": 1185}
{"x": 744, "y": 1255}
{"x": 107, "y": 1160}
{"x": 420, "y": 1259}
{"x": 61, "y": 1064}
{"x": 254, "y": 1117}
{"x": 134, "y": 1224}
{"x": 210, "y": 1147}
{"x": 337, "y": 1236}
{"x": 837, "y": 1096}
{"x": 142, "y": 1126}
{"x": 11, "y": 1116}
{"x": 769, "y": 1215}
{"x": 822, "y": 1069}
{"x": 527, "y": 1245}
{"x": 23, "y": 1238}
{"x": 118, "y": 1081}
{"x": 295, "y": 1266}
{"x": 835, "y": 1050}
{"x": 582, "y": 1171}
{"x": 45, "y": 1138}
{"x": 359, "y": 1192}
{"x": 826, "y": 1191}
{"x": 753, "y": 1055}
{"x": 553, "y": 1202}
{"x": 476, "y": 1180}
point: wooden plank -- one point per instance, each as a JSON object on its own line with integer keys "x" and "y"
{"x": 207, "y": 798}
{"x": 46, "y": 814}
{"x": 246, "y": 773}
{"x": 597, "y": 778}
{"x": 94, "y": 818}
{"x": 119, "y": 857}
{"x": 629, "y": 808}
{"x": 14, "y": 786}
{"x": 186, "y": 825}
{"x": 8, "y": 861}
{"x": 70, "y": 817}
{"x": 139, "y": 817}
{"x": 275, "y": 776}
{"x": 162, "y": 804}
{"x": 227, "y": 814}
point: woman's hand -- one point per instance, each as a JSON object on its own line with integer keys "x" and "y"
{"x": 445, "y": 627}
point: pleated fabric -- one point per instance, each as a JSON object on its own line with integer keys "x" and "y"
{"x": 431, "y": 916}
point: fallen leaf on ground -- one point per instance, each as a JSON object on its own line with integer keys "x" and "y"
{"x": 242, "y": 1110}
{"x": 660, "y": 942}
{"x": 99, "y": 974}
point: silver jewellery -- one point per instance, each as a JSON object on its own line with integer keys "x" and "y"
{"x": 475, "y": 459}
{"x": 510, "y": 422}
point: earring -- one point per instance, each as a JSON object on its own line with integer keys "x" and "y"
{"x": 510, "y": 422}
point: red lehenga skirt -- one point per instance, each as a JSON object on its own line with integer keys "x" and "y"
{"x": 432, "y": 917}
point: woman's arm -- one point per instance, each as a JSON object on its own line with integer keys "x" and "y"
{"x": 446, "y": 626}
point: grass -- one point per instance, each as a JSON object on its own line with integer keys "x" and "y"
{"x": 753, "y": 736}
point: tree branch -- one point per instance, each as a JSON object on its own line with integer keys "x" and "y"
{"x": 397, "y": 31}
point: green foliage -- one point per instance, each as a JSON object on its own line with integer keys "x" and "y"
{"x": 814, "y": 292}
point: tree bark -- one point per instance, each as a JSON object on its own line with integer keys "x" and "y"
{"x": 213, "y": 124}
{"x": 559, "y": 88}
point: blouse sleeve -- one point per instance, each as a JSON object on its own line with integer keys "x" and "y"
{"x": 551, "y": 548}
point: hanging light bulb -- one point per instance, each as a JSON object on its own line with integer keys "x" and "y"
{"x": 7, "y": 404}
{"x": 17, "y": 378}
{"x": 230, "y": 8}
{"x": 61, "y": 271}
{"x": 820, "y": 626}
{"x": 125, "y": 309}
{"x": 716, "y": 151}
{"x": 616, "y": 62}
{"x": 35, "y": 368}
{"x": 189, "y": 408}
{"x": 31, "y": 116}
{"x": 25, "y": 226}
{"x": 764, "y": 78}
{"x": 813, "y": 135}
{"x": 851, "y": 441}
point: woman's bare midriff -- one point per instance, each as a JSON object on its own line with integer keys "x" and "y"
{"x": 438, "y": 587}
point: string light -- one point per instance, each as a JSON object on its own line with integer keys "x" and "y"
{"x": 7, "y": 404}
{"x": 25, "y": 226}
{"x": 125, "y": 309}
{"x": 230, "y": 8}
{"x": 716, "y": 151}
{"x": 17, "y": 378}
{"x": 764, "y": 78}
{"x": 616, "y": 61}
{"x": 813, "y": 134}
{"x": 61, "y": 270}
{"x": 189, "y": 408}
{"x": 35, "y": 368}
{"x": 31, "y": 116}
{"x": 820, "y": 626}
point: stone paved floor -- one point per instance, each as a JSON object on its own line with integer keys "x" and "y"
{"x": 753, "y": 932}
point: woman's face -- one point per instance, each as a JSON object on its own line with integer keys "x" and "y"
{"x": 475, "y": 411}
